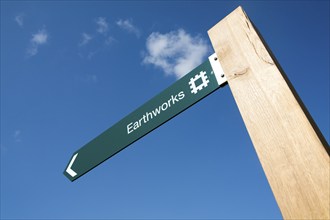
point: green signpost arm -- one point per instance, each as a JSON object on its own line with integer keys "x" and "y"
{"x": 194, "y": 86}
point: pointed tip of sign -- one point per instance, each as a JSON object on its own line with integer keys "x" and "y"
{"x": 68, "y": 176}
{"x": 68, "y": 172}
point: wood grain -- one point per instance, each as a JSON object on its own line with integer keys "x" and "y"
{"x": 291, "y": 150}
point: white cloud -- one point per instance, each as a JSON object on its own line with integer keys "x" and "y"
{"x": 176, "y": 52}
{"x": 37, "y": 39}
{"x": 88, "y": 78}
{"x": 19, "y": 19}
{"x": 17, "y": 136}
{"x": 85, "y": 38}
{"x": 40, "y": 37}
{"x": 109, "y": 40}
{"x": 128, "y": 26}
{"x": 102, "y": 24}
{"x": 93, "y": 78}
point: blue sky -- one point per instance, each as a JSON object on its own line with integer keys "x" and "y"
{"x": 71, "y": 69}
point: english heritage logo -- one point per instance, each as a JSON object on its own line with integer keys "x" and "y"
{"x": 202, "y": 80}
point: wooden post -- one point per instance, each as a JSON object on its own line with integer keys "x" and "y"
{"x": 292, "y": 151}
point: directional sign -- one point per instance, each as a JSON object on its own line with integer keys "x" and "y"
{"x": 185, "y": 92}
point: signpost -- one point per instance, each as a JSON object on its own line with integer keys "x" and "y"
{"x": 292, "y": 151}
{"x": 188, "y": 90}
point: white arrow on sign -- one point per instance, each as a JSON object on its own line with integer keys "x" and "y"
{"x": 69, "y": 170}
